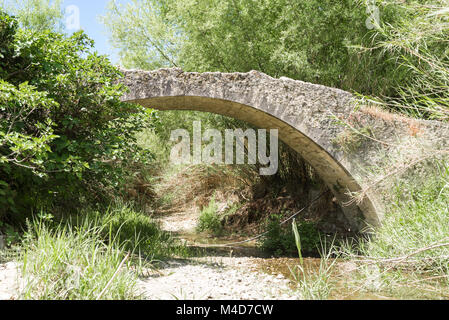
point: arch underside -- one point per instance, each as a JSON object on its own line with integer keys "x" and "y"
{"x": 333, "y": 173}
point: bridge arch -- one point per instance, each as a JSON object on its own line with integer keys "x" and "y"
{"x": 305, "y": 115}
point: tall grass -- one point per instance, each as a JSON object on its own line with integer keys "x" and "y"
{"x": 209, "y": 219}
{"x": 417, "y": 219}
{"x": 417, "y": 43}
{"x": 413, "y": 240}
{"x": 69, "y": 263}
{"x": 313, "y": 284}
{"x": 279, "y": 239}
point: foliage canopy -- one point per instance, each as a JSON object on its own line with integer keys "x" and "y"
{"x": 401, "y": 59}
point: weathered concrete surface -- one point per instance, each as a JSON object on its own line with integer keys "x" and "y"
{"x": 309, "y": 118}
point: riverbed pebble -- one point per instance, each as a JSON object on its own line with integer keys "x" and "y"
{"x": 215, "y": 278}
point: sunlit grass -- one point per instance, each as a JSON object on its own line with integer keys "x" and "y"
{"x": 94, "y": 256}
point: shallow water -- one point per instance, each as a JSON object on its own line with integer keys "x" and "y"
{"x": 343, "y": 275}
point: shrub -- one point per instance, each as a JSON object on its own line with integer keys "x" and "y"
{"x": 10, "y": 234}
{"x": 65, "y": 137}
{"x": 280, "y": 239}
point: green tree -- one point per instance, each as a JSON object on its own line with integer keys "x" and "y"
{"x": 38, "y": 15}
{"x": 417, "y": 41}
{"x": 402, "y": 58}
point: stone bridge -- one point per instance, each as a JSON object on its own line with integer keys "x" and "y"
{"x": 341, "y": 139}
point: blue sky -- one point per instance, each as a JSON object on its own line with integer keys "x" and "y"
{"x": 89, "y": 11}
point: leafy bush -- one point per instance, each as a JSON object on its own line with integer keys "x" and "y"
{"x": 65, "y": 137}
{"x": 280, "y": 240}
{"x": 209, "y": 219}
{"x": 403, "y": 57}
{"x": 38, "y": 15}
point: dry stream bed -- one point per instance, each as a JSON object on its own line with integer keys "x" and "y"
{"x": 235, "y": 273}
